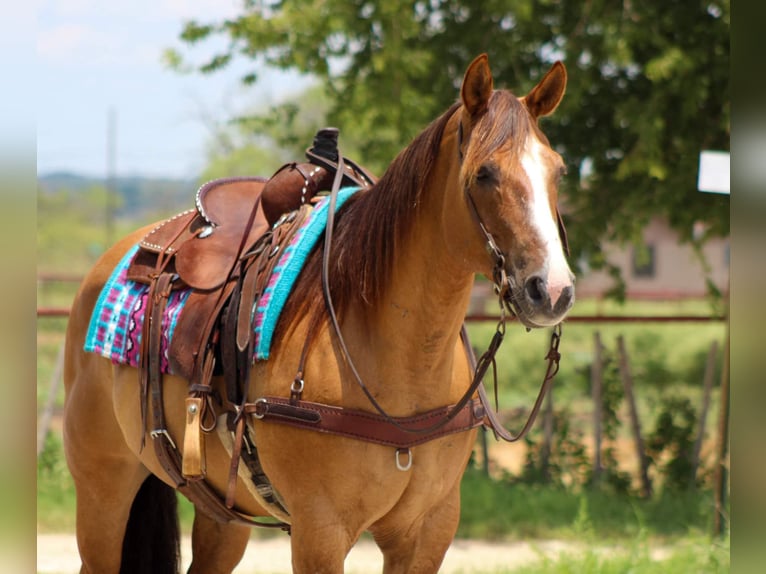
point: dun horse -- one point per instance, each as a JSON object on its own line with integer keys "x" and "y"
{"x": 475, "y": 192}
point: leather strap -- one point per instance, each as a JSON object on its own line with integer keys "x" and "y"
{"x": 504, "y": 289}
{"x": 351, "y": 172}
{"x": 199, "y": 492}
{"x": 449, "y": 414}
{"x": 405, "y": 432}
{"x": 237, "y": 351}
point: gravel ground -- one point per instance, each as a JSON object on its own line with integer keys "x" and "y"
{"x": 57, "y": 554}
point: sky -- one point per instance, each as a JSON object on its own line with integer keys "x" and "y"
{"x": 98, "y": 58}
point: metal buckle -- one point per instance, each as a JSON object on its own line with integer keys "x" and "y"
{"x": 158, "y": 432}
{"x": 399, "y": 465}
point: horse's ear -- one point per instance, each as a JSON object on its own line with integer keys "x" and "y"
{"x": 546, "y": 95}
{"x": 477, "y": 86}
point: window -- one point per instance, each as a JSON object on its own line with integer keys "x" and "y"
{"x": 643, "y": 261}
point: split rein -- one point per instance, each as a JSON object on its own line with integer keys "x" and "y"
{"x": 504, "y": 290}
{"x": 405, "y": 432}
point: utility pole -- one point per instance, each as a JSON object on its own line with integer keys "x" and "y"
{"x": 111, "y": 138}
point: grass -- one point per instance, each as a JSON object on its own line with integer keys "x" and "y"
{"x": 693, "y": 556}
{"x": 55, "y": 489}
{"x": 501, "y": 510}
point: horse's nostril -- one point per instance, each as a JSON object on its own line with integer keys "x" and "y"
{"x": 565, "y": 299}
{"x": 535, "y": 288}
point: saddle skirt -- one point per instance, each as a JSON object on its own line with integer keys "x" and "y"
{"x": 117, "y": 319}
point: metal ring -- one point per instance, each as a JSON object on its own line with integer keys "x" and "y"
{"x": 255, "y": 410}
{"x": 297, "y": 386}
{"x": 399, "y": 465}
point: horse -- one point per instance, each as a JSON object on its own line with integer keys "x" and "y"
{"x": 474, "y": 193}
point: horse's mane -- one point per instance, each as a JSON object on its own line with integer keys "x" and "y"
{"x": 373, "y": 223}
{"x": 368, "y": 229}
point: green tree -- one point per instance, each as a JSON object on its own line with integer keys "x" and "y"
{"x": 260, "y": 142}
{"x": 648, "y": 87}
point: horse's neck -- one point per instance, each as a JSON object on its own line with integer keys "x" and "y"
{"x": 417, "y": 322}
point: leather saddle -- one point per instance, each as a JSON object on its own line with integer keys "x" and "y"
{"x": 207, "y": 249}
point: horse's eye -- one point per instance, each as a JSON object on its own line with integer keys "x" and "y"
{"x": 486, "y": 174}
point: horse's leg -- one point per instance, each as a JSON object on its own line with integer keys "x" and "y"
{"x": 216, "y": 547}
{"x": 419, "y": 547}
{"x": 106, "y": 475}
{"x": 319, "y": 550}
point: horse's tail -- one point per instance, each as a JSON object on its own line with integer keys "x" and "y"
{"x": 152, "y": 538}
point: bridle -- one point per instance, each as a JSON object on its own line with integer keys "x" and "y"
{"x": 503, "y": 289}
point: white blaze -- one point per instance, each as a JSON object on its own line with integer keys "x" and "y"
{"x": 555, "y": 268}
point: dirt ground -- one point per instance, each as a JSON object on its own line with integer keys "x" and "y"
{"x": 57, "y": 554}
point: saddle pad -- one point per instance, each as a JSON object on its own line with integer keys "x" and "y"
{"x": 269, "y": 306}
{"x": 116, "y": 322}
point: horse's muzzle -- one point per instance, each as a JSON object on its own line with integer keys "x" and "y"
{"x": 542, "y": 304}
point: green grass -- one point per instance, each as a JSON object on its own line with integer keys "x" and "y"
{"x": 500, "y": 510}
{"x": 55, "y": 489}
{"x": 661, "y": 355}
{"x": 692, "y": 556}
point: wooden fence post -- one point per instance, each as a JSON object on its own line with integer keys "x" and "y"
{"x": 484, "y": 451}
{"x": 722, "y": 447}
{"x": 706, "y": 392}
{"x": 597, "y": 377}
{"x": 627, "y": 384}
{"x": 50, "y": 403}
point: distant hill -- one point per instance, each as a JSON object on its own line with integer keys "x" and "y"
{"x": 141, "y": 197}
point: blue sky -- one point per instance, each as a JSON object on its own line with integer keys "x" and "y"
{"x": 96, "y": 55}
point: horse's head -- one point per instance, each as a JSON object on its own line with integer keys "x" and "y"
{"x": 509, "y": 174}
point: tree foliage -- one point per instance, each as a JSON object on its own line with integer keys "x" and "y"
{"x": 648, "y": 87}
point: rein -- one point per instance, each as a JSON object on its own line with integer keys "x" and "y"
{"x": 407, "y": 432}
{"x": 503, "y": 289}
{"x": 342, "y": 342}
